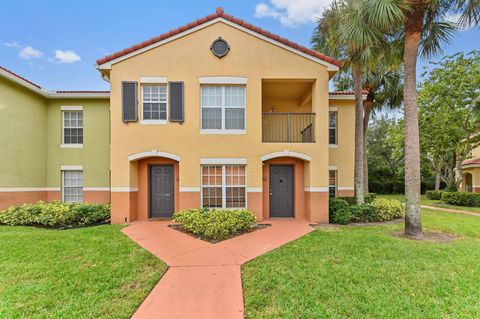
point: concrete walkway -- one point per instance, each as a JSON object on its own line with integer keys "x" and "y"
{"x": 456, "y": 211}
{"x": 204, "y": 280}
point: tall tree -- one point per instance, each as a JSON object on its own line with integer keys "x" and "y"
{"x": 383, "y": 83}
{"x": 448, "y": 118}
{"x": 425, "y": 28}
{"x": 345, "y": 32}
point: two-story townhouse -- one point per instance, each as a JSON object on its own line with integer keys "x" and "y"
{"x": 216, "y": 113}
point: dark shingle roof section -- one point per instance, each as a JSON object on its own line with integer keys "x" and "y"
{"x": 219, "y": 14}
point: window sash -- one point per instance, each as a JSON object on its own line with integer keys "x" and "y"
{"x": 72, "y": 122}
{"x": 154, "y": 102}
{"x": 72, "y": 186}
{"x": 332, "y": 128}
{"x": 230, "y": 100}
{"x": 332, "y": 183}
{"x": 224, "y": 186}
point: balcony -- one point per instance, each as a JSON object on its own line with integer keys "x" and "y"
{"x": 288, "y": 127}
{"x": 287, "y": 115}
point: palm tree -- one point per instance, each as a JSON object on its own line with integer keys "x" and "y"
{"x": 425, "y": 29}
{"x": 346, "y": 33}
{"x": 383, "y": 83}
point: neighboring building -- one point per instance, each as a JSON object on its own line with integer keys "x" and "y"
{"x": 471, "y": 173}
{"x": 215, "y": 113}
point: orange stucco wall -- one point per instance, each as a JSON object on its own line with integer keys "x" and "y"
{"x": 345, "y": 193}
{"x": 8, "y": 199}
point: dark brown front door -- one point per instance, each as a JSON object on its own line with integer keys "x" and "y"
{"x": 161, "y": 191}
{"x": 281, "y": 191}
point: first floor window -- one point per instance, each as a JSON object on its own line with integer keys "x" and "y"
{"x": 332, "y": 128}
{"x": 332, "y": 183}
{"x": 224, "y": 186}
{"x": 223, "y": 107}
{"x": 72, "y": 127}
{"x": 72, "y": 186}
{"x": 154, "y": 101}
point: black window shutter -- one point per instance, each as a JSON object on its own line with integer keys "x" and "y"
{"x": 176, "y": 102}
{"x": 129, "y": 101}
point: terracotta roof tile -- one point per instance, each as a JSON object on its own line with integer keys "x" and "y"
{"x": 473, "y": 161}
{"x": 219, "y": 13}
{"x": 346, "y": 92}
{"x": 20, "y": 77}
{"x": 83, "y": 91}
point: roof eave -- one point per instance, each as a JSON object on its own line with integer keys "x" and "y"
{"x": 108, "y": 65}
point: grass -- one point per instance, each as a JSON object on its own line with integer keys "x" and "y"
{"x": 431, "y": 202}
{"x": 81, "y": 273}
{"x": 364, "y": 272}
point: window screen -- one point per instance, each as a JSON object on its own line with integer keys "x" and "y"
{"x": 72, "y": 127}
{"x": 223, "y": 107}
{"x": 224, "y": 186}
{"x": 332, "y": 128}
{"x": 154, "y": 102}
{"x": 72, "y": 186}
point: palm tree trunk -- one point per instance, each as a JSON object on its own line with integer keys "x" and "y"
{"x": 367, "y": 107}
{"x": 413, "y": 30}
{"x": 358, "y": 179}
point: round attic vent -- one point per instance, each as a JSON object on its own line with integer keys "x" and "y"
{"x": 220, "y": 48}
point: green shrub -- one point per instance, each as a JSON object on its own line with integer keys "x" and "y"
{"x": 461, "y": 198}
{"x": 55, "y": 214}
{"x": 342, "y": 216}
{"x": 385, "y": 209}
{"x": 435, "y": 195}
{"x": 216, "y": 224}
{"x": 370, "y": 197}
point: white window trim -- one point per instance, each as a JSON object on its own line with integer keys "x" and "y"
{"x": 62, "y": 185}
{"x": 71, "y": 168}
{"x": 223, "y": 161}
{"x": 71, "y": 145}
{"x": 336, "y": 127}
{"x": 222, "y": 80}
{"x": 71, "y": 108}
{"x": 224, "y": 186}
{"x": 154, "y": 79}
{"x": 154, "y": 122}
{"x": 223, "y": 130}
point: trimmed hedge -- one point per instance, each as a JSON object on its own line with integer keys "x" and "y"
{"x": 55, "y": 214}
{"x": 370, "y": 197}
{"x": 378, "y": 210}
{"x": 216, "y": 224}
{"x": 435, "y": 195}
{"x": 461, "y": 198}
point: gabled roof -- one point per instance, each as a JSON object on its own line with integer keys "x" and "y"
{"x": 50, "y": 94}
{"x": 219, "y": 15}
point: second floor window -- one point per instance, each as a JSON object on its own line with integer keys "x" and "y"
{"x": 332, "y": 128}
{"x": 223, "y": 107}
{"x": 73, "y": 127}
{"x": 154, "y": 99}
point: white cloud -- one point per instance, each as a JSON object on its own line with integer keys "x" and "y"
{"x": 66, "y": 56}
{"x": 12, "y": 44}
{"x": 455, "y": 18}
{"x": 291, "y": 13}
{"x": 28, "y": 53}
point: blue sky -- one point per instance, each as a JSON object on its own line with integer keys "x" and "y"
{"x": 56, "y": 43}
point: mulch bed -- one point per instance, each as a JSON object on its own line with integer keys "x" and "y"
{"x": 180, "y": 228}
{"x": 429, "y": 236}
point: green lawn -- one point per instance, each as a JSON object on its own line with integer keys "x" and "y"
{"x": 425, "y": 201}
{"x": 82, "y": 273}
{"x": 364, "y": 272}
